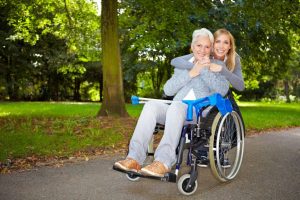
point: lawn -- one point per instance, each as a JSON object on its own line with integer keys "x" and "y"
{"x": 49, "y": 129}
{"x": 262, "y": 116}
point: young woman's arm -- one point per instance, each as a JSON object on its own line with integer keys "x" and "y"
{"x": 236, "y": 77}
{"x": 179, "y": 79}
{"x": 182, "y": 62}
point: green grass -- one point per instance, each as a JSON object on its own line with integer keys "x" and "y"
{"x": 40, "y": 109}
{"x": 26, "y": 136}
{"x": 54, "y": 109}
{"x": 61, "y": 129}
{"x": 261, "y": 116}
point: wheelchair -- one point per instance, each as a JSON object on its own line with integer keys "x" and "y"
{"x": 216, "y": 140}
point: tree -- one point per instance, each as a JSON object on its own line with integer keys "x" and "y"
{"x": 48, "y": 45}
{"x": 113, "y": 101}
{"x": 292, "y": 74}
{"x": 44, "y": 45}
{"x": 162, "y": 30}
{"x": 153, "y": 34}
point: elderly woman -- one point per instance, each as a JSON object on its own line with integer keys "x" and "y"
{"x": 197, "y": 82}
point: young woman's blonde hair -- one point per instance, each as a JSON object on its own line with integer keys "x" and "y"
{"x": 230, "y": 62}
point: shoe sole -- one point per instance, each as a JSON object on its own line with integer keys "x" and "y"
{"x": 149, "y": 173}
{"x": 118, "y": 165}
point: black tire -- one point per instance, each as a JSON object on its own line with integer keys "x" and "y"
{"x": 132, "y": 177}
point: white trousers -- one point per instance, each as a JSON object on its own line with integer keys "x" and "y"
{"x": 173, "y": 117}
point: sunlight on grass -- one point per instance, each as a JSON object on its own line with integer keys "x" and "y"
{"x": 270, "y": 104}
{"x": 3, "y": 114}
{"x": 247, "y": 104}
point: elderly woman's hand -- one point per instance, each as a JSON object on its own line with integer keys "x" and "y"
{"x": 200, "y": 64}
{"x": 204, "y": 61}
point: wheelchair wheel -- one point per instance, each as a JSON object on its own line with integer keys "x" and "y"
{"x": 133, "y": 177}
{"x": 182, "y": 185}
{"x": 226, "y": 147}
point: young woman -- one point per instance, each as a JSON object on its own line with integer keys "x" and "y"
{"x": 223, "y": 50}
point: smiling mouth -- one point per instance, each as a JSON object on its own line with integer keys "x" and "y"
{"x": 220, "y": 51}
{"x": 201, "y": 54}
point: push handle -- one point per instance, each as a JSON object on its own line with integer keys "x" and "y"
{"x": 224, "y": 105}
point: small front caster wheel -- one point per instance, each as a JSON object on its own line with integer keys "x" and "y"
{"x": 132, "y": 177}
{"x": 183, "y": 185}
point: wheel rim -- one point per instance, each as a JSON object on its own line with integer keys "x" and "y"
{"x": 184, "y": 186}
{"x": 226, "y": 144}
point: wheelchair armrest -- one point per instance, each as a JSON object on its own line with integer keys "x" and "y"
{"x": 165, "y": 97}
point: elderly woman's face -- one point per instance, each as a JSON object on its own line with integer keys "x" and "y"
{"x": 201, "y": 47}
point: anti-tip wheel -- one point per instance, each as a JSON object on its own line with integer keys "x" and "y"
{"x": 132, "y": 177}
{"x": 182, "y": 185}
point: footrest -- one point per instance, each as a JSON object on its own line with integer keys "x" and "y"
{"x": 168, "y": 177}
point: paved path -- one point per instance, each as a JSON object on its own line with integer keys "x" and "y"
{"x": 271, "y": 170}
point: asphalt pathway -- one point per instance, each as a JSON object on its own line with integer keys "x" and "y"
{"x": 270, "y": 170}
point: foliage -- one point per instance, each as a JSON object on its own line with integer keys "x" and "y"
{"x": 45, "y": 44}
{"x": 40, "y": 41}
{"x": 72, "y": 20}
{"x": 156, "y": 33}
{"x": 164, "y": 29}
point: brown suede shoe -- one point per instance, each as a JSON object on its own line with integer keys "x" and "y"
{"x": 157, "y": 169}
{"x": 128, "y": 164}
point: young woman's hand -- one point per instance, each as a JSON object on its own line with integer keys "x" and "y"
{"x": 215, "y": 67}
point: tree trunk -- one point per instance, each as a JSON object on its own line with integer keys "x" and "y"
{"x": 296, "y": 90}
{"x": 287, "y": 91}
{"x": 101, "y": 87}
{"x": 9, "y": 84}
{"x": 12, "y": 86}
{"x": 77, "y": 90}
{"x": 113, "y": 94}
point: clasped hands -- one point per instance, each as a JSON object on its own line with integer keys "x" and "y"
{"x": 201, "y": 64}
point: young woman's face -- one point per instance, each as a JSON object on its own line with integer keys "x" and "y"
{"x": 221, "y": 46}
{"x": 201, "y": 47}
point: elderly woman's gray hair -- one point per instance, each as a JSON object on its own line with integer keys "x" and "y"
{"x": 202, "y": 32}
